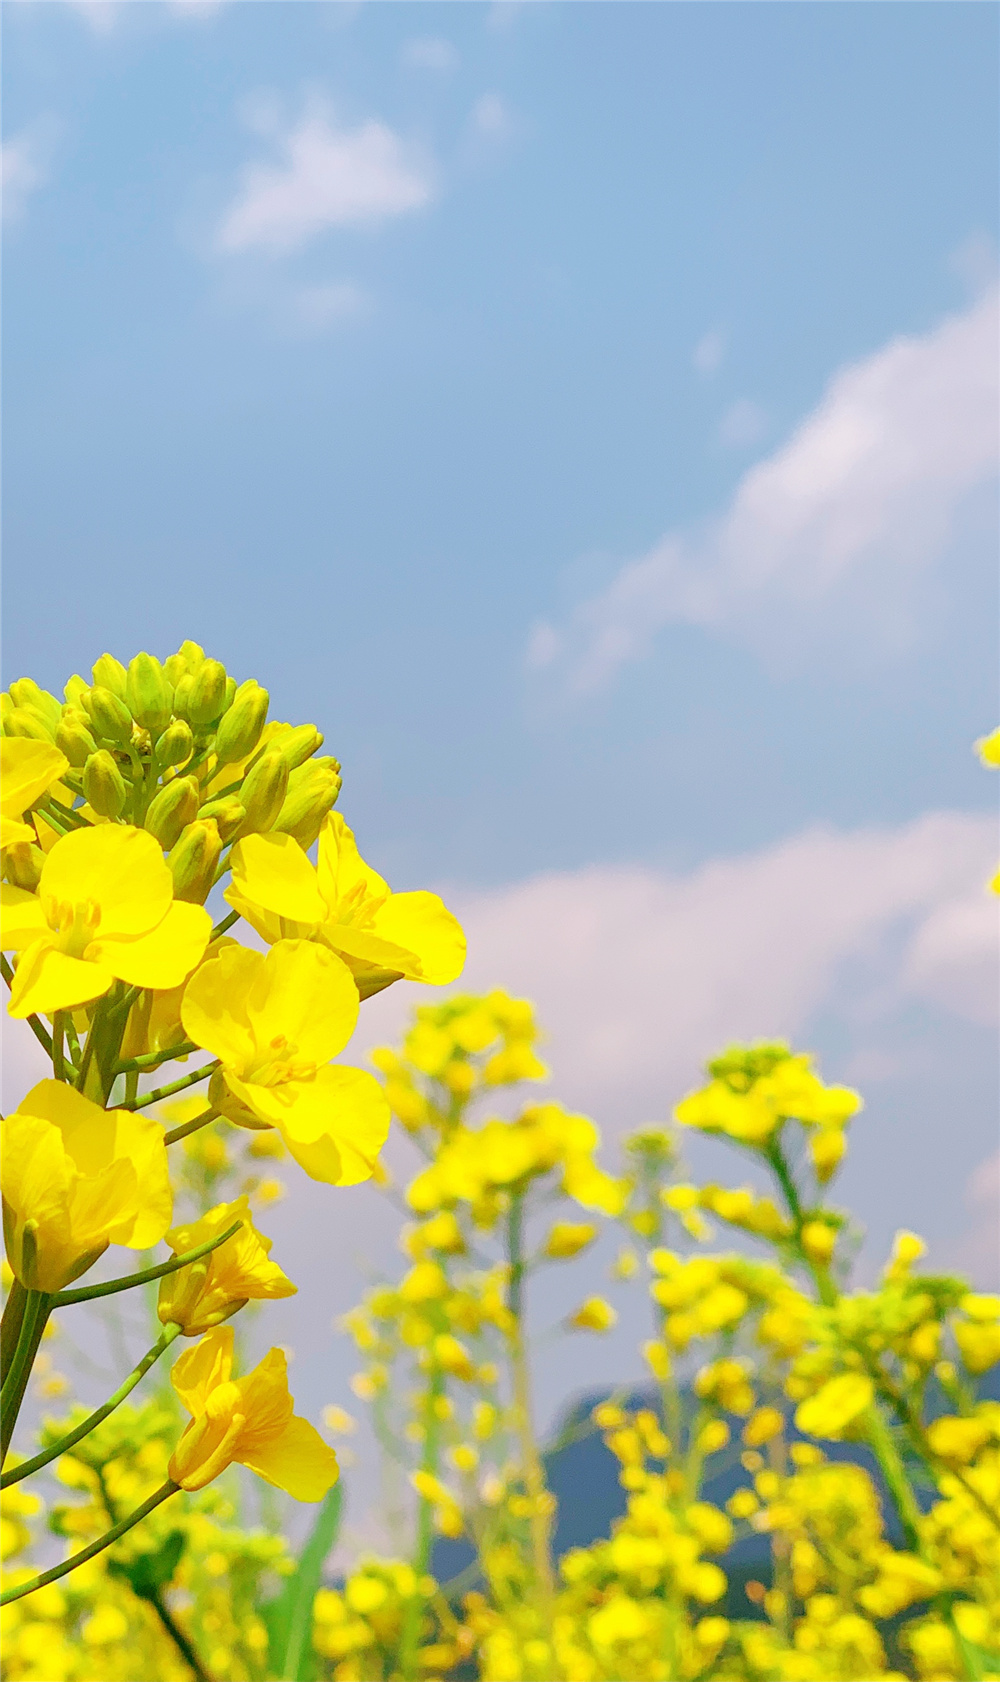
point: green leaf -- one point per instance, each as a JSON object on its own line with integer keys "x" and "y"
{"x": 288, "y": 1618}
{"x": 150, "y": 1572}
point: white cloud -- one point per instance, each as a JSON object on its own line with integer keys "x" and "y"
{"x": 325, "y": 177}
{"x": 639, "y": 974}
{"x": 491, "y": 118}
{"x": 709, "y": 351}
{"x": 832, "y": 536}
{"x": 24, "y": 166}
{"x": 744, "y": 423}
{"x": 430, "y": 53}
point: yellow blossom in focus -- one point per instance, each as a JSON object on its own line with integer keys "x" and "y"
{"x": 342, "y": 902}
{"x": 28, "y": 769}
{"x": 275, "y": 1020}
{"x": 75, "y": 1179}
{"x": 249, "y": 1420}
{"x": 104, "y": 911}
{"x": 208, "y": 1291}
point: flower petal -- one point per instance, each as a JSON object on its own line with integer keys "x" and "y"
{"x": 120, "y": 868}
{"x": 46, "y": 981}
{"x": 165, "y": 956}
{"x": 305, "y": 995}
{"x": 341, "y": 869}
{"x": 200, "y": 1370}
{"x": 298, "y": 1461}
{"x": 13, "y": 830}
{"x": 27, "y": 769}
{"x": 422, "y": 923}
{"x": 273, "y": 872}
{"x": 214, "y": 1006}
{"x": 23, "y": 919}
{"x": 341, "y": 1108}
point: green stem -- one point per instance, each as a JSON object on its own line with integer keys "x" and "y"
{"x": 193, "y": 1126}
{"x": 167, "y": 1489}
{"x": 152, "y": 1059}
{"x": 176, "y": 1634}
{"x": 534, "y": 1475}
{"x": 227, "y": 923}
{"x": 409, "y": 1641}
{"x": 65, "y": 815}
{"x": 10, "y": 1325}
{"x": 37, "y": 1308}
{"x": 87, "y": 1293}
{"x": 175, "y": 1086}
{"x": 58, "y": 1051}
{"x": 35, "y": 1464}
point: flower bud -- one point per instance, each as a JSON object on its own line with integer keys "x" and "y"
{"x": 230, "y": 692}
{"x": 147, "y": 693}
{"x": 312, "y": 792}
{"x": 263, "y": 793}
{"x": 25, "y": 692}
{"x": 25, "y": 721}
{"x": 74, "y": 689}
{"x": 176, "y": 745}
{"x": 109, "y": 673}
{"x": 228, "y": 813}
{"x": 172, "y": 809}
{"x": 109, "y": 716}
{"x": 208, "y": 693}
{"x": 182, "y": 696}
{"x": 174, "y": 668}
{"x": 23, "y": 863}
{"x": 193, "y": 860}
{"x": 73, "y": 737}
{"x": 240, "y": 727}
{"x": 298, "y": 745}
{"x": 104, "y": 785}
{"x": 192, "y": 654}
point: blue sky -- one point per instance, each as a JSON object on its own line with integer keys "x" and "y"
{"x": 585, "y": 414}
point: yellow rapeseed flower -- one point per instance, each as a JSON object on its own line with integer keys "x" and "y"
{"x": 208, "y": 1291}
{"x": 104, "y": 910}
{"x": 249, "y": 1420}
{"x": 275, "y": 1020}
{"x": 27, "y": 769}
{"x": 594, "y": 1315}
{"x": 342, "y": 902}
{"x": 75, "y": 1179}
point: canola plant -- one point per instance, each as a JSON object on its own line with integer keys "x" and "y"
{"x": 124, "y": 808}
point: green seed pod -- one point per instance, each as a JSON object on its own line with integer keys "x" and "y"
{"x": 110, "y": 718}
{"x": 24, "y": 692}
{"x": 23, "y": 863}
{"x": 171, "y": 809}
{"x": 263, "y": 793}
{"x": 208, "y": 693}
{"x": 104, "y": 785}
{"x": 74, "y": 689}
{"x": 110, "y": 674}
{"x": 176, "y": 745}
{"x": 312, "y": 792}
{"x": 193, "y": 861}
{"x": 148, "y": 694}
{"x": 73, "y": 737}
{"x": 25, "y": 721}
{"x": 228, "y": 812}
{"x": 240, "y": 727}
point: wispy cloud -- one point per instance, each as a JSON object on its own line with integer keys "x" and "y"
{"x": 24, "y": 165}
{"x": 324, "y": 176}
{"x": 866, "y": 492}
{"x": 708, "y": 353}
{"x": 314, "y": 309}
{"x": 639, "y": 974}
{"x": 492, "y": 118}
{"x": 430, "y": 53}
